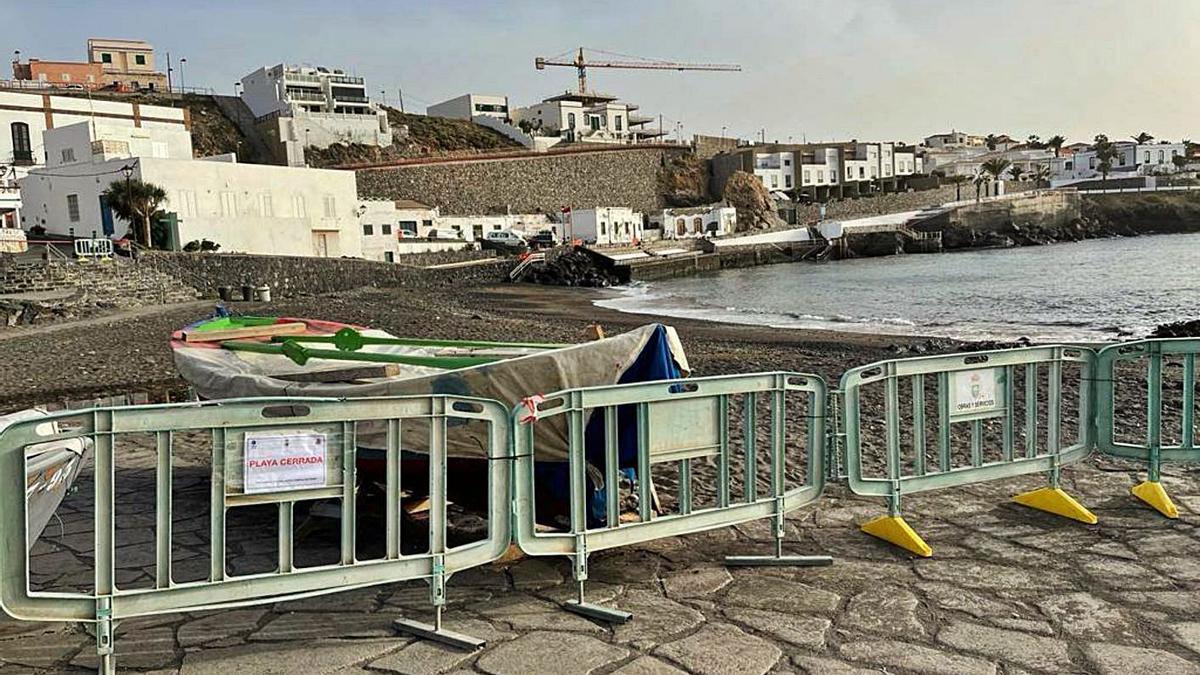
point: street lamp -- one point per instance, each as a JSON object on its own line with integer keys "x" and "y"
{"x": 237, "y": 84}
{"x": 182, "y": 79}
{"x": 127, "y": 170}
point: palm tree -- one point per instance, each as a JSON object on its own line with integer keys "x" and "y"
{"x": 1142, "y": 138}
{"x": 1055, "y": 142}
{"x": 136, "y": 201}
{"x": 1179, "y": 161}
{"x": 1035, "y": 142}
{"x": 979, "y": 179}
{"x": 1106, "y": 152}
{"x": 996, "y": 167}
{"x": 990, "y": 141}
{"x": 1041, "y": 174}
{"x": 1015, "y": 171}
{"x": 957, "y": 179}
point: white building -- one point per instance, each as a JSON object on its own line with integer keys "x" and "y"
{"x": 1132, "y": 159}
{"x": 384, "y": 223}
{"x": 590, "y": 117}
{"x": 476, "y": 227}
{"x": 787, "y": 167}
{"x": 716, "y": 220}
{"x": 247, "y": 208}
{"x": 314, "y": 107}
{"x": 470, "y": 106}
{"x": 605, "y": 225}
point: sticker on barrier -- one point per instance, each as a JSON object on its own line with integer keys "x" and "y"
{"x": 900, "y": 419}
{"x": 1161, "y": 374}
{"x": 286, "y": 456}
{"x": 662, "y": 459}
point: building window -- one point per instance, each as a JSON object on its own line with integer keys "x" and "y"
{"x": 228, "y": 204}
{"x": 140, "y": 59}
{"x": 330, "y": 206}
{"x": 298, "y": 208}
{"x": 617, "y": 122}
{"x": 603, "y": 227}
{"x": 68, "y": 155}
{"x": 787, "y": 162}
{"x": 22, "y": 149}
{"x": 73, "y": 208}
{"x": 427, "y": 223}
{"x": 832, "y": 176}
{"x": 268, "y": 209}
{"x": 66, "y": 77}
{"x": 807, "y": 176}
{"x": 787, "y": 181}
{"x": 570, "y": 120}
{"x": 105, "y": 58}
{"x": 368, "y": 230}
{"x": 849, "y": 173}
{"x": 1161, "y": 157}
{"x": 862, "y": 172}
{"x": 385, "y": 228}
{"x": 774, "y": 181}
{"x": 1147, "y": 157}
{"x": 388, "y": 256}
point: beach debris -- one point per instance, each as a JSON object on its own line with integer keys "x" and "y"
{"x": 1190, "y": 328}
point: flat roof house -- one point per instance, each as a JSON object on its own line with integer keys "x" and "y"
{"x": 127, "y": 64}
{"x": 469, "y": 106}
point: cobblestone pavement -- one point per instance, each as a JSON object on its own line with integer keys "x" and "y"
{"x": 1009, "y": 590}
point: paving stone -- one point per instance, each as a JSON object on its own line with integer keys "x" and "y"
{"x": 991, "y": 548}
{"x": 532, "y": 573}
{"x": 218, "y": 626}
{"x": 549, "y": 652}
{"x": 697, "y": 582}
{"x": 624, "y": 567}
{"x": 647, "y": 665}
{"x": 301, "y": 656}
{"x": 1187, "y": 602}
{"x": 595, "y": 591}
{"x": 1027, "y": 625}
{"x": 1113, "y": 549}
{"x": 656, "y": 619}
{"x": 952, "y": 597}
{"x": 46, "y": 647}
{"x": 1033, "y": 651}
{"x": 855, "y": 575}
{"x": 526, "y": 613}
{"x": 975, "y": 574}
{"x": 885, "y": 609}
{"x": 761, "y": 592}
{"x": 415, "y": 597}
{"x": 1111, "y": 659}
{"x": 1086, "y": 617}
{"x": 818, "y": 665}
{"x": 810, "y": 632}
{"x": 309, "y": 626}
{"x": 1171, "y": 544}
{"x": 1177, "y": 568}
{"x": 722, "y": 649}
{"x": 1123, "y": 574}
{"x": 1188, "y": 635}
{"x": 359, "y": 600}
{"x": 422, "y": 657}
{"x": 894, "y": 654}
{"x": 141, "y": 650}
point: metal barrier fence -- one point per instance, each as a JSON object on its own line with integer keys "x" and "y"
{"x": 277, "y": 451}
{"x": 1157, "y": 356}
{"x": 971, "y": 389}
{"x": 677, "y": 422}
{"x": 93, "y": 248}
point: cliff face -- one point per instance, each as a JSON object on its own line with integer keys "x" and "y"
{"x": 1131, "y": 213}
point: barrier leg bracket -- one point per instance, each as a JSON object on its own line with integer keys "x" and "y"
{"x": 894, "y": 530}
{"x": 446, "y": 637}
{"x": 597, "y": 612}
{"x": 1152, "y": 493}
{"x": 1054, "y": 500}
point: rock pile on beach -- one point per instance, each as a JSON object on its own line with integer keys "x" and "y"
{"x": 1178, "y": 329}
{"x": 572, "y": 269}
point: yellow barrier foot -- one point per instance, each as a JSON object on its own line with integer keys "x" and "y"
{"x": 894, "y": 530}
{"x": 1152, "y": 493}
{"x": 1054, "y": 500}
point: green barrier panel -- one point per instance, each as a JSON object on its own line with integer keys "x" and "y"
{"x": 969, "y": 390}
{"x": 250, "y": 439}
{"x": 678, "y": 423}
{"x": 1156, "y": 355}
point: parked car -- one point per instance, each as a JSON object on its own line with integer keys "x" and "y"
{"x": 443, "y": 233}
{"x": 405, "y": 233}
{"x": 505, "y": 241}
{"x": 544, "y": 239}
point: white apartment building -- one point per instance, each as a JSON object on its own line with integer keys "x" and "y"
{"x": 1133, "y": 159}
{"x": 246, "y": 208}
{"x": 605, "y": 225}
{"x": 314, "y": 107}
{"x": 476, "y": 227}
{"x": 715, "y": 220}
{"x": 384, "y": 224}
{"x": 818, "y": 165}
{"x": 590, "y": 117}
{"x": 470, "y": 106}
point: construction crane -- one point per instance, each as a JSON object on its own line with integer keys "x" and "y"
{"x": 581, "y": 64}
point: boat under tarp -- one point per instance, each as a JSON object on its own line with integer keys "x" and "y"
{"x": 286, "y": 359}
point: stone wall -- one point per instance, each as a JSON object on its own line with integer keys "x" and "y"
{"x": 539, "y": 183}
{"x": 290, "y": 276}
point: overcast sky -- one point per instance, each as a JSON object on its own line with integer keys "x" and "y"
{"x": 821, "y": 70}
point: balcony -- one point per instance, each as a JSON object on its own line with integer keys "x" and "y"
{"x": 302, "y": 78}
{"x": 346, "y": 79}
{"x": 296, "y": 95}
{"x": 351, "y": 99}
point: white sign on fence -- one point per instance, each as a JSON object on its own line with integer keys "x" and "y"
{"x": 976, "y": 392}
{"x": 275, "y": 462}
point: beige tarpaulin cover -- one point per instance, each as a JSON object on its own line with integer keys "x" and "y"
{"x": 220, "y": 373}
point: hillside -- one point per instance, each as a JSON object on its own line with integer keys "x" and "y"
{"x": 426, "y": 136}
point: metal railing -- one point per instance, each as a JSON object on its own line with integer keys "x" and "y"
{"x": 525, "y": 263}
{"x": 629, "y": 431}
{"x": 970, "y": 390}
{"x": 248, "y": 440}
{"x": 1152, "y": 361}
{"x": 93, "y": 248}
